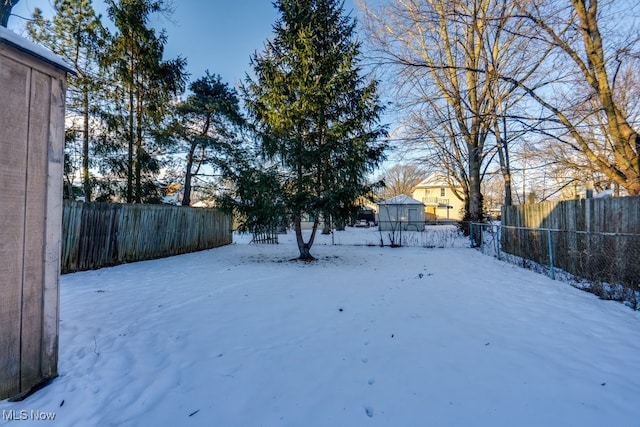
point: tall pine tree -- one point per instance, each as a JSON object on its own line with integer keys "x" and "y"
{"x": 146, "y": 84}
{"x": 76, "y": 34}
{"x": 209, "y": 118}
{"x": 316, "y": 114}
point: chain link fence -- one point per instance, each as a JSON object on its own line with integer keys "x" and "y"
{"x": 426, "y": 236}
{"x": 600, "y": 262}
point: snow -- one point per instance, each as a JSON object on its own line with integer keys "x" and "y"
{"x": 23, "y": 44}
{"x": 402, "y": 199}
{"x": 435, "y": 180}
{"x": 364, "y": 336}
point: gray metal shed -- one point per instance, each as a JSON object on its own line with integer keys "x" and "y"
{"x": 32, "y": 94}
{"x": 401, "y": 213}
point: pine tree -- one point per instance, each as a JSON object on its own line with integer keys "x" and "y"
{"x": 208, "y": 121}
{"x": 77, "y": 35}
{"x": 317, "y": 116}
{"x": 146, "y": 84}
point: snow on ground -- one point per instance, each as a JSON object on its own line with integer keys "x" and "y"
{"x": 364, "y": 336}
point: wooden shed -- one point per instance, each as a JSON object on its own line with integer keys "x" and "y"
{"x": 32, "y": 97}
{"x": 401, "y": 213}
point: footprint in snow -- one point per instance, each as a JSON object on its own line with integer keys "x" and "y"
{"x": 369, "y": 411}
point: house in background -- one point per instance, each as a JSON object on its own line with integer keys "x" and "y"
{"x": 439, "y": 199}
{"x": 401, "y": 213}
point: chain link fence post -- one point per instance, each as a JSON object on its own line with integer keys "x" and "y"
{"x": 551, "y": 263}
{"x": 498, "y": 241}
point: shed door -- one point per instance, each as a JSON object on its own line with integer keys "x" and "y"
{"x": 413, "y": 215}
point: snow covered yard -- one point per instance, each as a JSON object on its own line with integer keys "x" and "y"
{"x": 365, "y": 336}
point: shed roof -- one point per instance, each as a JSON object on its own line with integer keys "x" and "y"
{"x": 12, "y": 39}
{"x": 402, "y": 199}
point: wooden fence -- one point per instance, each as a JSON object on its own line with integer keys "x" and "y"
{"x": 596, "y": 239}
{"x": 607, "y": 215}
{"x": 96, "y": 235}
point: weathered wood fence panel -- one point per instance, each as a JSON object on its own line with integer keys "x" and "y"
{"x": 97, "y": 235}
{"x": 607, "y": 215}
{"x": 597, "y": 239}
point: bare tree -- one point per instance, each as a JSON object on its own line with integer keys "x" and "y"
{"x": 400, "y": 179}
{"x": 449, "y": 56}
{"x": 436, "y": 48}
{"x": 594, "y": 103}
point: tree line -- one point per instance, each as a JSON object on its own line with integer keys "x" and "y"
{"x": 482, "y": 86}
{"x": 122, "y": 98}
{"x": 299, "y": 139}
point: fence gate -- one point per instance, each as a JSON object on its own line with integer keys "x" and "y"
{"x": 269, "y": 236}
{"x": 32, "y": 94}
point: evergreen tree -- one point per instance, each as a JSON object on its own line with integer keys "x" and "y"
{"x": 256, "y": 199}
{"x": 208, "y": 120}
{"x": 145, "y": 87}
{"x": 316, "y": 115}
{"x": 77, "y": 35}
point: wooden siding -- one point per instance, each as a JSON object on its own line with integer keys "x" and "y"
{"x": 31, "y": 143}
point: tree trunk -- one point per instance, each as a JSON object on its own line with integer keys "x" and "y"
{"x": 326, "y": 229}
{"x": 508, "y": 200}
{"x": 305, "y": 254}
{"x": 139, "y": 149}
{"x": 304, "y": 247}
{"x": 86, "y": 179}
{"x": 631, "y": 140}
{"x": 186, "y": 197}
{"x": 5, "y": 11}
{"x": 503, "y": 156}
{"x": 130, "y": 153}
{"x": 475, "y": 195}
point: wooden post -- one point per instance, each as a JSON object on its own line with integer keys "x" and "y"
{"x": 589, "y": 191}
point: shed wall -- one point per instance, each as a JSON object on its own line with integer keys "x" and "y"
{"x": 31, "y": 143}
{"x": 396, "y": 217}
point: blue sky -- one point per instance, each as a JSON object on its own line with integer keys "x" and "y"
{"x": 218, "y": 35}
{"x": 215, "y": 35}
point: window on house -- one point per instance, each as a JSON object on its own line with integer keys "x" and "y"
{"x": 442, "y": 192}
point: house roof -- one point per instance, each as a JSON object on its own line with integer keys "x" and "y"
{"x": 402, "y": 199}
{"x": 434, "y": 180}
